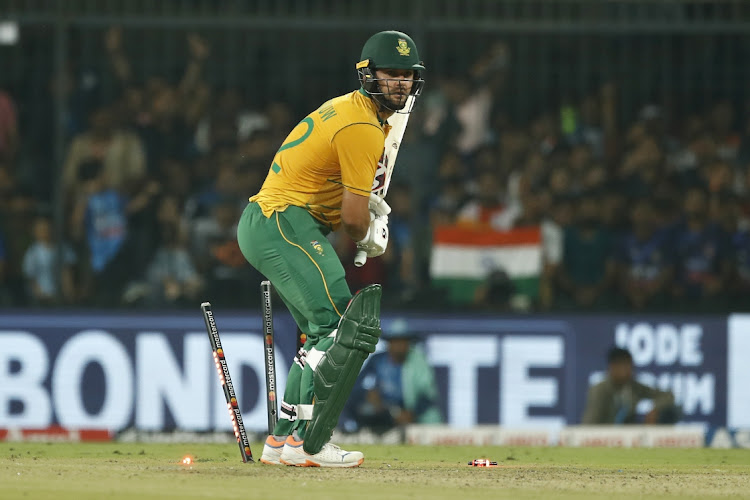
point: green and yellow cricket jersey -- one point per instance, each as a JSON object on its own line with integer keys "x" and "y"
{"x": 335, "y": 147}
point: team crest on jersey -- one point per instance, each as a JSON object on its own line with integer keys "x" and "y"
{"x": 403, "y": 47}
{"x": 317, "y": 246}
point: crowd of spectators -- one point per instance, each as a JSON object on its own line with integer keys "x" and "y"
{"x": 646, "y": 216}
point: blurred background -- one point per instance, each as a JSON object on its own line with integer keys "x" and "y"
{"x": 567, "y": 156}
{"x": 616, "y": 129}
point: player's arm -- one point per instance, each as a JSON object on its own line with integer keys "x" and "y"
{"x": 358, "y": 147}
{"x": 661, "y": 399}
{"x": 355, "y": 214}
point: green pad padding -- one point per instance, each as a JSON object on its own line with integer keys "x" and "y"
{"x": 335, "y": 375}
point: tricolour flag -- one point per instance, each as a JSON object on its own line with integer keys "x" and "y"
{"x": 464, "y": 256}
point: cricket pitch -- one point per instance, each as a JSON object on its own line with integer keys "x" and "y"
{"x": 111, "y": 471}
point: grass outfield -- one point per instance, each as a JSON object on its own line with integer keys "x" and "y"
{"x": 153, "y": 471}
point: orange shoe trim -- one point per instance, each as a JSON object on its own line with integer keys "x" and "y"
{"x": 271, "y": 441}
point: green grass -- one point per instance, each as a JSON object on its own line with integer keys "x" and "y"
{"x": 149, "y": 471}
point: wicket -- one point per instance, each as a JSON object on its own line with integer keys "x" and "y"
{"x": 226, "y": 383}
{"x": 270, "y": 355}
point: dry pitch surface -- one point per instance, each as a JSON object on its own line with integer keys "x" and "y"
{"x": 150, "y": 471}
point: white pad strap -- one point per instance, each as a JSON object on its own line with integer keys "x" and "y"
{"x": 295, "y": 412}
{"x": 305, "y": 412}
{"x": 313, "y": 358}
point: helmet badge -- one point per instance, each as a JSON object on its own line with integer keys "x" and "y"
{"x": 403, "y": 47}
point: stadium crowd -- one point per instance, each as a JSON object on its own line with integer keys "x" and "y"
{"x": 650, "y": 216}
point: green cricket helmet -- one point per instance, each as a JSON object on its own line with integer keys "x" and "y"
{"x": 389, "y": 50}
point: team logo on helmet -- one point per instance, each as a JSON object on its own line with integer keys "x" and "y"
{"x": 403, "y": 47}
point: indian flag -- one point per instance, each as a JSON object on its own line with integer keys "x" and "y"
{"x": 463, "y": 256}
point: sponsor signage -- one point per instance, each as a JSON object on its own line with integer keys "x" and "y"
{"x": 156, "y": 373}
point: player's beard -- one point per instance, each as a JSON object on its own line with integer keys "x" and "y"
{"x": 394, "y": 102}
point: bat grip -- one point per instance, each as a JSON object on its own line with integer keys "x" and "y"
{"x": 360, "y": 258}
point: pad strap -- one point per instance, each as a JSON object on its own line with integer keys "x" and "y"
{"x": 313, "y": 358}
{"x": 295, "y": 412}
{"x": 300, "y": 358}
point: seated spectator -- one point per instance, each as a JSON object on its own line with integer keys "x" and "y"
{"x": 396, "y": 387}
{"x": 644, "y": 259}
{"x": 46, "y": 283}
{"x": 587, "y": 271}
{"x": 614, "y": 400}
{"x": 171, "y": 274}
{"x": 703, "y": 257}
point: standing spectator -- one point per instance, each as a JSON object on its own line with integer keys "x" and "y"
{"x": 164, "y": 116}
{"x": 396, "y": 387}
{"x": 559, "y": 216}
{"x": 487, "y": 207}
{"x": 587, "y": 271}
{"x": 100, "y": 220}
{"x": 644, "y": 259}
{"x": 119, "y": 152}
{"x": 704, "y": 262}
{"x": 40, "y": 267}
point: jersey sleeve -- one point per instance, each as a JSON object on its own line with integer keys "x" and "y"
{"x": 359, "y": 147}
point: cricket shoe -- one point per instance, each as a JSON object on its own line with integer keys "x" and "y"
{"x": 330, "y": 456}
{"x": 272, "y": 451}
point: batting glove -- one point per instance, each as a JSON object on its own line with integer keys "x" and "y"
{"x": 378, "y": 205}
{"x": 376, "y": 240}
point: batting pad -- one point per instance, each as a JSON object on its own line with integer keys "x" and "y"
{"x": 357, "y": 336}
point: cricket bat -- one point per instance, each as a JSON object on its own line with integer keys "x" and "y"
{"x": 384, "y": 172}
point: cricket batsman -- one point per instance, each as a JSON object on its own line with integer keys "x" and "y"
{"x": 321, "y": 180}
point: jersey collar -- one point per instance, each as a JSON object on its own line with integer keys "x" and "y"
{"x": 373, "y": 106}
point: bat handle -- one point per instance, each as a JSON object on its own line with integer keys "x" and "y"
{"x": 360, "y": 258}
